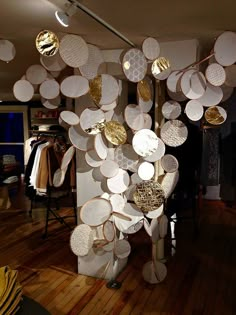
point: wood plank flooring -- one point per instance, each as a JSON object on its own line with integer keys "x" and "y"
{"x": 201, "y": 274}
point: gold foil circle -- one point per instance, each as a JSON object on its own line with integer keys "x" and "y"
{"x": 213, "y": 116}
{"x": 95, "y": 129}
{"x": 159, "y": 65}
{"x": 47, "y": 43}
{"x": 115, "y": 133}
{"x": 144, "y": 90}
{"x": 149, "y": 196}
{"x": 96, "y": 89}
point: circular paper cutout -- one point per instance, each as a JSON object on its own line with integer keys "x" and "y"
{"x": 134, "y": 65}
{"x": 215, "y": 115}
{"x": 169, "y": 163}
{"x": 193, "y": 84}
{"x": 91, "y": 120}
{"x": 225, "y": 49}
{"x": 212, "y": 96}
{"x": 194, "y": 110}
{"x": 174, "y": 133}
{"x": 147, "y": 121}
{"x": 67, "y": 157}
{"x": 119, "y": 183}
{"x": 49, "y": 89}
{"x": 100, "y": 145}
{"x": 7, "y": 50}
{"x": 51, "y": 104}
{"x": 117, "y": 202}
{"x": 36, "y": 74}
{"x": 215, "y": 74}
{"x": 154, "y": 214}
{"x": 227, "y": 92}
{"x": 134, "y": 117}
{"x": 81, "y": 240}
{"x": 93, "y": 159}
{"x": 145, "y": 142}
{"x": 149, "y": 196}
{"x": 173, "y": 81}
{"x": 144, "y": 90}
{"x": 54, "y": 63}
{"x": 69, "y": 117}
{"x": 95, "y": 211}
{"x": 154, "y": 272}
{"x": 23, "y": 90}
{"x": 171, "y": 109}
{"x": 169, "y": 182}
{"x": 122, "y": 249}
{"x": 109, "y": 231}
{"x": 163, "y": 226}
{"x": 90, "y": 68}
{"x": 80, "y": 139}
{"x": 109, "y": 168}
{"x": 58, "y": 177}
{"x": 161, "y": 68}
{"x": 151, "y": 48}
{"x": 47, "y": 43}
{"x": 230, "y": 76}
{"x": 115, "y": 133}
{"x": 74, "y": 86}
{"x": 146, "y": 170}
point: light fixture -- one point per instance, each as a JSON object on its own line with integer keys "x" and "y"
{"x": 64, "y": 16}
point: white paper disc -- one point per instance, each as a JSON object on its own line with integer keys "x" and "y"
{"x": 90, "y": 117}
{"x": 80, "y": 139}
{"x": 95, "y": 211}
{"x": 7, "y": 50}
{"x": 194, "y": 110}
{"x": 173, "y": 81}
{"x": 36, "y": 74}
{"x": 119, "y": 183}
{"x": 174, "y": 133}
{"x": 92, "y": 159}
{"x": 101, "y": 146}
{"x": 23, "y": 90}
{"x": 169, "y": 163}
{"x": 147, "y": 121}
{"x": 157, "y": 155}
{"x": 212, "y": 96}
{"x": 109, "y": 168}
{"x": 74, "y": 86}
{"x": 225, "y": 48}
{"x": 151, "y": 48}
{"x": 90, "y": 69}
{"x": 177, "y": 96}
{"x": 134, "y": 65}
{"x": 109, "y": 89}
{"x": 122, "y": 249}
{"x": 51, "y": 104}
{"x": 53, "y": 63}
{"x": 171, "y": 109}
{"x": 154, "y": 214}
{"x": 73, "y": 50}
{"x": 154, "y": 273}
{"x": 109, "y": 231}
{"x": 193, "y": 84}
{"x": 49, "y": 89}
{"x": 134, "y": 117}
{"x": 230, "y": 72}
{"x": 69, "y": 117}
{"x": 118, "y": 203}
{"x": 109, "y": 107}
{"x": 169, "y": 182}
{"x": 215, "y": 74}
{"x": 146, "y": 170}
{"x": 145, "y": 142}
{"x": 67, "y": 157}
{"x": 58, "y": 177}
{"x": 136, "y": 179}
{"x": 81, "y": 240}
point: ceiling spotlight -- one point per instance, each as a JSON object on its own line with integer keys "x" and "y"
{"x": 63, "y": 17}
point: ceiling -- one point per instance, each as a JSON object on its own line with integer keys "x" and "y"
{"x": 22, "y": 20}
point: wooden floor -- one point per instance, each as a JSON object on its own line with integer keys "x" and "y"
{"x": 201, "y": 274}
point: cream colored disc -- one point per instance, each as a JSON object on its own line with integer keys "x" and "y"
{"x": 95, "y": 58}
{"x": 151, "y": 48}
{"x": 118, "y": 203}
{"x": 160, "y": 151}
{"x": 49, "y": 89}
{"x": 69, "y": 117}
{"x": 193, "y": 84}
{"x": 134, "y": 65}
{"x": 225, "y": 48}
{"x": 23, "y": 90}
{"x": 194, "y": 110}
{"x": 177, "y": 96}
{"x": 81, "y": 240}
{"x": 171, "y": 109}
{"x": 95, "y": 211}
{"x": 212, "y": 96}
{"x": 146, "y": 170}
{"x": 135, "y": 228}
{"x": 79, "y": 139}
{"x": 230, "y": 75}
{"x": 145, "y": 106}
{"x": 147, "y": 121}
{"x": 109, "y": 89}
{"x": 92, "y": 159}
{"x": 154, "y": 214}
{"x": 101, "y": 146}
{"x": 215, "y": 115}
{"x": 51, "y": 104}
{"x": 126, "y": 157}
{"x": 109, "y": 231}
{"x": 74, "y": 86}
{"x": 145, "y": 142}
{"x": 169, "y": 163}
{"x": 173, "y": 81}
{"x": 59, "y": 177}
{"x": 163, "y": 226}
{"x": 161, "y": 68}
{"x": 74, "y": 50}
{"x": 109, "y": 115}
{"x": 7, "y": 50}
{"x": 136, "y": 179}
{"x": 90, "y": 118}
{"x": 134, "y": 117}
{"x": 36, "y": 74}
{"x": 67, "y": 157}
{"x": 169, "y": 183}
{"x": 227, "y": 92}
{"x": 122, "y": 249}
{"x": 109, "y": 168}
{"x": 54, "y": 63}
{"x": 215, "y": 74}
{"x": 154, "y": 273}
{"x": 174, "y": 133}
{"x": 119, "y": 183}
{"x": 109, "y": 107}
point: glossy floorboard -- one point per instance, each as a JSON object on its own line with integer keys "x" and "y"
{"x": 201, "y": 273}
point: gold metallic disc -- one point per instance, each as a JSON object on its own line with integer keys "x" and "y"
{"x": 96, "y": 89}
{"x": 47, "y": 43}
{"x": 215, "y": 115}
{"x": 159, "y": 65}
{"x": 144, "y": 90}
{"x": 115, "y": 133}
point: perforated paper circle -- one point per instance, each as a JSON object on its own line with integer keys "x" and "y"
{"x": 81, "y": 240}
{"x": 154, "y": 214}
{"x": 215, "y": 115}
{"x": 169, "y": 182}
{"x": 47, "y": 43}
{"x": 134, "y": 117}
{"x": 146, "y": 170}
{"x": 212, "y": 96}
{"x": 194, "y": 110}
{"x": 67, "y": 157}
{"x": 215, "y": 74}
{"x": 173, "y": 81}
{"x": 193, "y": 84}
{"x": 54, "y": 63}
{"x": 171, "y": 109}
{"x": 149, "y": 195}
{"x": 145, "y": 142}
{"x": 7, "y": 50}
{"x": 134, "y": 65}
{"x": 174, "y": 133}
{"x": 74, "y": 86}
{"x": 90, "y": 68}
{"x": 160, "y": 151}
{"x": 151, "y": 48}
{"x": 161, "y": 68}
{"x": 36, "y": 74}
{"x": 109, "y": 168}
{"x": 74, "y": 50}
{"x": 69, "y": 117}
{"x": 225, "y": 49}
{"x": 90, "y": 118}
{"x": 58, "y": 177}
{"x": 101, "y": 146}
{"x": 49, "y": 89}
{"x": 119, "y": 183}
{"x": 51, "y": 104}
{"x": 122, "y": 249}
{"x": 95, "y": 211}
{"x": 23, "y": 90}
{"x": 169, "y": 163}
{"x": 230, "y": 72}
{"x": 154, "y": 273}
{"x": 109, "y": 231}
{"x": 79, "y": 139}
